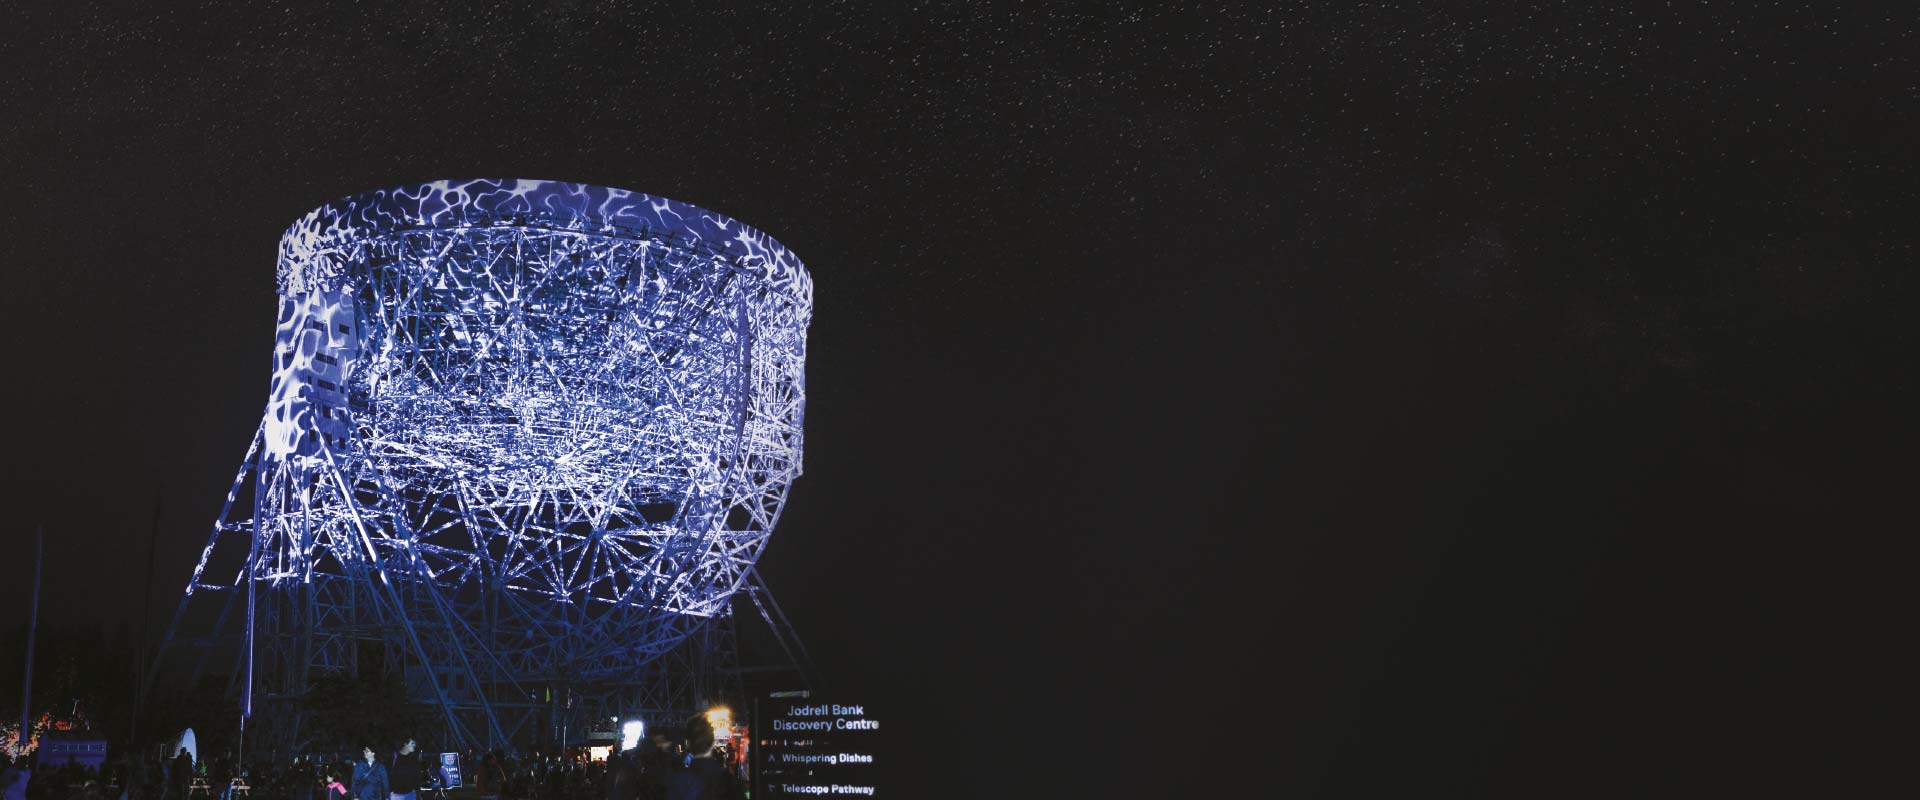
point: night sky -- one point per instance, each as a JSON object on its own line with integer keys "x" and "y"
{"x": 1336, "y": 401}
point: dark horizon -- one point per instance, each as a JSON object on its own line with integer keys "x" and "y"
{"x": 1363, "y": 400}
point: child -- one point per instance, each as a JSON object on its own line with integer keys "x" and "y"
{"x": 335, "y": 791}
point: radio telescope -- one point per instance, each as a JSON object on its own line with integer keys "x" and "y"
{"x": 523, "y": 442}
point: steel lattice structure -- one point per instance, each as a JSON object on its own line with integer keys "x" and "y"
{"x": 526, "y": 438}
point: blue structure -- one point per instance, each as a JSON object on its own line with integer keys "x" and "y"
{"x": 524, "y": 440}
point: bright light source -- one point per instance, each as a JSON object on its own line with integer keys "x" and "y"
{"x": 721, "y": 718}
{"x": 630, "y": 734}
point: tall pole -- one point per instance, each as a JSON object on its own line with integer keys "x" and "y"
{"x": 33, "y": 628}
{"x": 252, "y": 571}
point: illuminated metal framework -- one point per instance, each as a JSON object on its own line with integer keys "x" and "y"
{"x": 525, "y": 440}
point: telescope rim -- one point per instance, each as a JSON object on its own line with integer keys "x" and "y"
{"x": 506, "y": 202}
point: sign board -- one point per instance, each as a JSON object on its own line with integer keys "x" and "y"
{"x": 61, "y": 752}
{"x": 450, "y": 770}
{"x": 811, "y": 747}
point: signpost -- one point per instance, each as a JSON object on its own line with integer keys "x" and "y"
{"x": 450, "y": 770}
{"x": 810, "y": 747}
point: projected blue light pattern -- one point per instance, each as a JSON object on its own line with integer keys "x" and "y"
{"x": 521, "y": 434}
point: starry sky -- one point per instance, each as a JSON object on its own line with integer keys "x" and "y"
{"x": 1328, "y": 398}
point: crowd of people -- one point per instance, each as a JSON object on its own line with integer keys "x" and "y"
{"x": 660, "y": 768}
